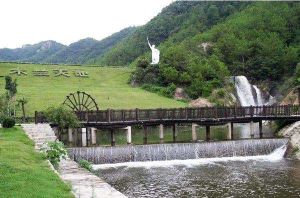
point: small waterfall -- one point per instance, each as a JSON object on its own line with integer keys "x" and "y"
{"x": 244, "y": 91}
{"x": 248, "y": 94}
{"x": 259, "y": 99}
{"x": 184, "y": 151}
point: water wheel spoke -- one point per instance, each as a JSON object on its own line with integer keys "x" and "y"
{"x": 80, "y": 101}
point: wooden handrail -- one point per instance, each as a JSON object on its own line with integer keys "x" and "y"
{"x": 188, "y": 113}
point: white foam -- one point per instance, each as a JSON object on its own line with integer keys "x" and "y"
{"x": 276, "y": 155}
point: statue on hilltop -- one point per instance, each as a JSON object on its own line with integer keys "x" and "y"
{"x": 155, "y": 53}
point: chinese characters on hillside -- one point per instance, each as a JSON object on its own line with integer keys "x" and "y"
{"x": 55, "y": 73}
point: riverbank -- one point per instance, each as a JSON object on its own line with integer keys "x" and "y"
{"x": 293, "y": 133}
{"x": 23, "y": 171}
{"x": 84, "y": 184}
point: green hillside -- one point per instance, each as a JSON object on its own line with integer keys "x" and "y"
{"x": 85, "y": 51}
{"x": 183, "y": 19}
{"x": 261, "y": 42}
{"x": 108, "y": 85}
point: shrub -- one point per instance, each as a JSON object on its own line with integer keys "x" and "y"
{"x": 63, "y": 118}
{"x": 8, "y": 122}
{"x": 55, "y": 151}
{"x": 85, "y": 164}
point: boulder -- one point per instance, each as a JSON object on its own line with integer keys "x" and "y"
{"x": 180, "y": 94}
{"x": 200, "y": 102}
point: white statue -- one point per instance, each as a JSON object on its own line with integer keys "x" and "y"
{"x": 155, "y": 53}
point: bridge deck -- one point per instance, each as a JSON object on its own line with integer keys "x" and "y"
{"x": 203, "y": 116}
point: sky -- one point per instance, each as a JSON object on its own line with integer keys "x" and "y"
{"x": 66, "y": 21}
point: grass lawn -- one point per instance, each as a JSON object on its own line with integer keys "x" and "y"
{"x": 108, "y": 85}
{"x": 23, "y": 172}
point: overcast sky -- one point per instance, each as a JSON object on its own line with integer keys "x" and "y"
{"x": 67, "y": 21}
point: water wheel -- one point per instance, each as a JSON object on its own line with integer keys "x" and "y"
{"x": 81, "y": 101}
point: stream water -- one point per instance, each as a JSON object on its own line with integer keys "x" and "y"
{"x": 255, "y": 176}
{"x": 238, "y": 168}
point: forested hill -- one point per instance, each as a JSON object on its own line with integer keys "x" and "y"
{"x": 261, "y": 41}
{"x": 183, "y": 19}
{"x": 84, "y": 51}
{"x": 87, "y": 50}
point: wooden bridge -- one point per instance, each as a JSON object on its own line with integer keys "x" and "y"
{"x": 204, "y": 116}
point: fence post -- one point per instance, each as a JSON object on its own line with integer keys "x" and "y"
{"x": 235, "y": 111}
{"x": 186, "y": 113}
{"x": 108, "y": 115}
{"x": 123, "y": 116}
{"x": 216, "y": 112}
{"x": 137, "y": 114}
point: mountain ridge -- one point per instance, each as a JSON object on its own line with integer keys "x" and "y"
{"x": 52, "y": 52}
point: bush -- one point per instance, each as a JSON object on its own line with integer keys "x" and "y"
{"x": 55, "y": 151}
{"x": 8, "y": 122}
{"x": 163, "y": 91}
{"x": 85, "y": 164}
{"x": 64, "y": 118}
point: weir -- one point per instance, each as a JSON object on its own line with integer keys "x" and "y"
{"x": 184, "y": 151}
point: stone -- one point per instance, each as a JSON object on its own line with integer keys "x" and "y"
{"x": 180, "y": 94}
{"x": 200, "y": 102}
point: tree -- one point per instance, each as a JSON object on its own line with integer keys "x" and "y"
{"x": 21, "y": 102}
{"x": 62, "y": 117}
{"x": 11, "y": 86}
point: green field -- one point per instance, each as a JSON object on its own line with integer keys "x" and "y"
{"x": 108, "y": 85}
{"x": 23, "y": 171}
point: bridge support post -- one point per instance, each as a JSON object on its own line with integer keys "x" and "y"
{"x": 93, "y": 136}
{"x": 174, "y": 129}
{"x": 260, "y": 129}
{"x": 145, "y": 134}
{"x": 251, "y": 129}
{"x": 70, "y": 135}
{"x": 112, "y": 137}
{"x": 83, "y": 137}
{"x": 230, "y": 131}
{"x": 194, "y": 132}
{"x": 128, "y": 134}
{"x": 207, "y": 132}
{"x": 161, "y": 133}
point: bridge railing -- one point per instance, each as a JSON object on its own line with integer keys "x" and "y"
{"x": 139, "y": 115}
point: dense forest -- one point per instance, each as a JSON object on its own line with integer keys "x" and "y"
{"x": 261, "y": 41}
{"x": 175, "y": 23}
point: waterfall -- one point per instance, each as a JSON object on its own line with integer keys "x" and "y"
{"x": 244, "y": 91}
{"x": 184, "y": 151}
{"x": 259, "y": 99}
{"x": 276, "y": 155}
{"x": 248, "y": 94}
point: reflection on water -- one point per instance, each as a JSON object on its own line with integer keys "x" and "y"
{"x": 218, "y": 179}
{"x": 184, "y": 134}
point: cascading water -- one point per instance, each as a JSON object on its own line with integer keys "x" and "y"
{"x": 248, "y": 95}
{"x": 259, "y": 99}
{"x": 184, "y": 151}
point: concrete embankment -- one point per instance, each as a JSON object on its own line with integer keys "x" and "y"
{"x": 84, "y": 184}
{"x": 293, "y": 133}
